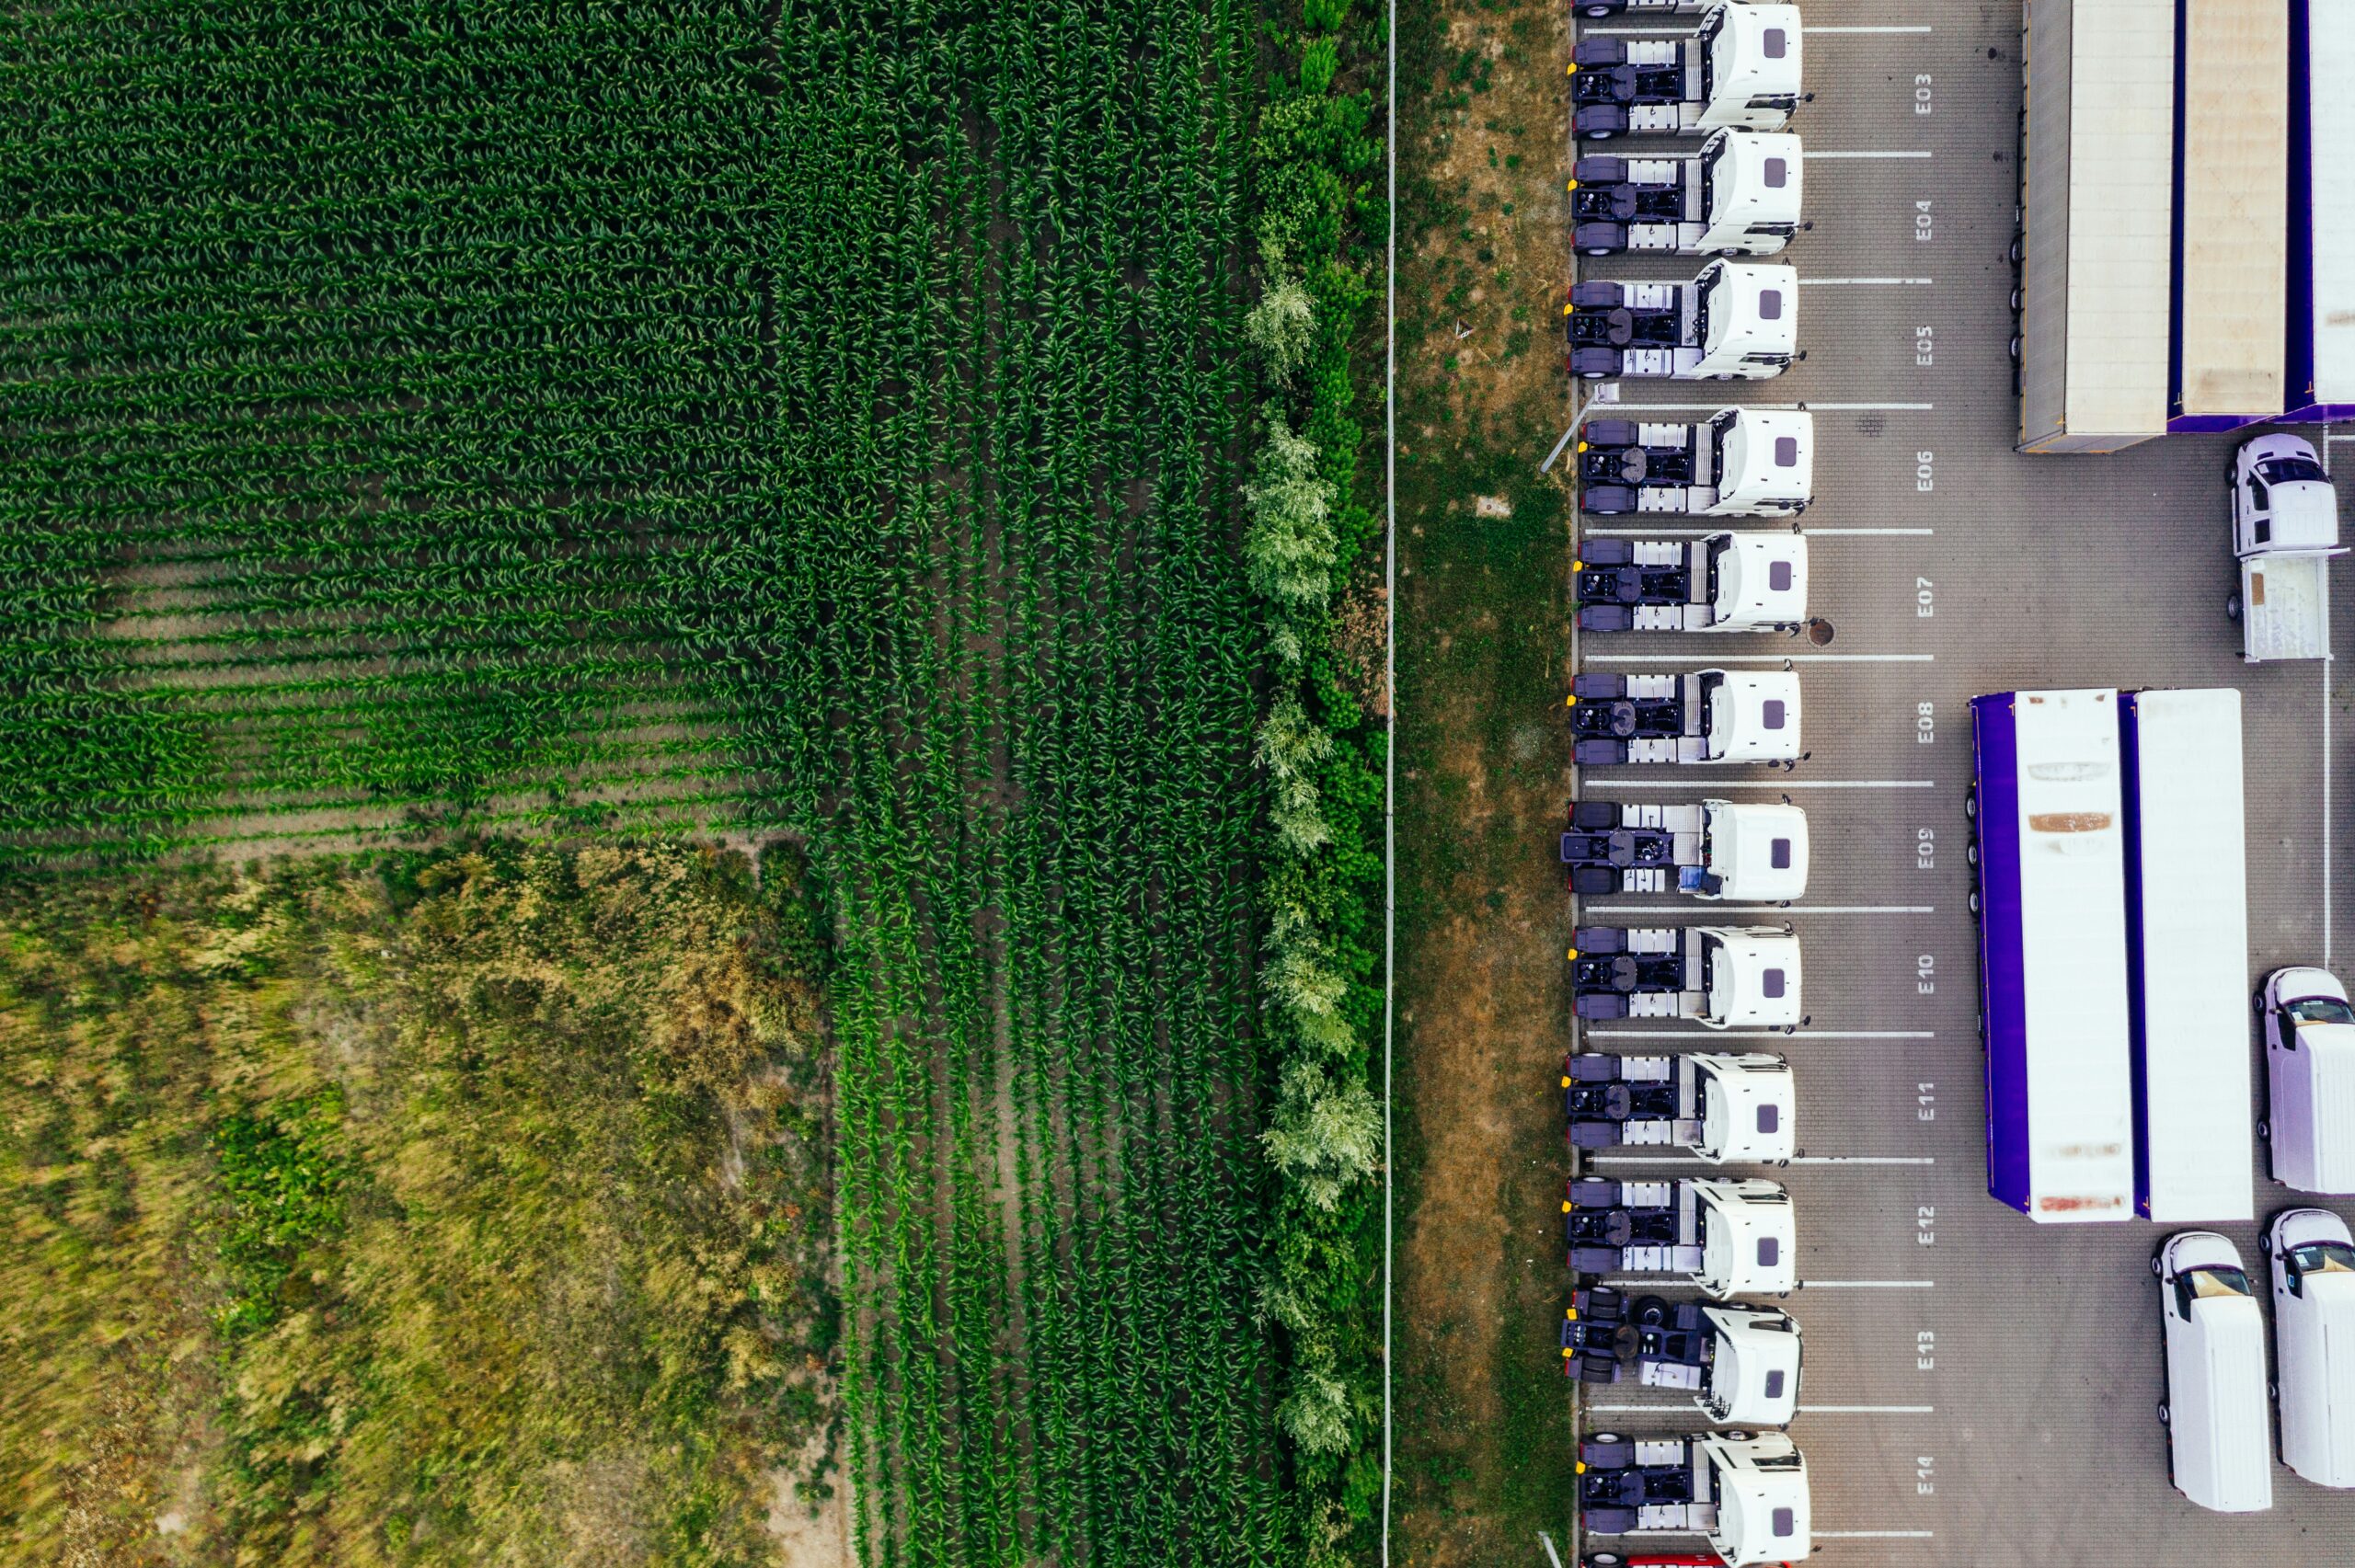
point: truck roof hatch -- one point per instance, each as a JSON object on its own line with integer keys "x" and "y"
{"x": 1751, "y": 1242}
{"x": 1757, "y": 181}
{"x": 1754, "y": 1376}
{"x": 1761, "y": 305}
{"x": 1755, "y": 978}
{"x": 1757, "y": 53}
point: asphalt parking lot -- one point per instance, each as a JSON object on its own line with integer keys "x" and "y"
{"x": 1977, "y": 1389}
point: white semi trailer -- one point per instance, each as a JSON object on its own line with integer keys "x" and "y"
{"x": 1740, "y": 66}
{"x": 1735, "y": 321}
{"x": 1738, "y": 463}
{"x": 1738, "y": 196}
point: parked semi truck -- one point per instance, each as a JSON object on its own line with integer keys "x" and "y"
{"x": 1708, "y": 716}
{"x": 2187, "y": 945}
{"x": 1725, "y": 1107}
{"x": 1740, "y": 1363}
{"x": 1729, "y": 1237}
{"x": 2285, "y": 530}
{"x": 1718, "y": 977}
{"x": 1736, "y": 320}
{"x": 1740, "y": 66}
{"x": 1738, "y": 196}
{"x": 1747, "y": 1494}
{"x": 1751, "y": 852}
{"x": 1726, "y": 582}
{"x": 1738, "y": 462}
{"x": 2046, "y": 803}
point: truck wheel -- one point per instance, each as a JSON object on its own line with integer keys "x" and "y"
{"x": 1591, "y": 375}
{"x": 1970, "y": 852}
{"x": 2162, "y": 1415}
{"x": 2156, "y": 1267}
{"x": 2273, "y": 1392}
{"x": 1604, "y": 1559}
{"x": 1599, "y": 135}
{"x": 2233, "y": 607}
{"x": 1972, "y": 903}
{"x": 1599, "y": 250}
{"x": 1735, "y": 1435}
{"x": 1606, "y": 1438}
{"x": 2264, "y": 1131}
{"x": 1971, "y": 802}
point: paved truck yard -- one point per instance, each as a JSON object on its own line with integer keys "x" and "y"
{"x": 1978, "y": 1388}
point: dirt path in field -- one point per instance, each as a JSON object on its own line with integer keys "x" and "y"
{"x": 1483, "y": 1447}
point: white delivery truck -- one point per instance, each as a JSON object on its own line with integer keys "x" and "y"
{"x": 2049, "y": 846}
{"x": 1740, "y": 463}
{"x": 1726, "y": 1107}
{"x": 2186, "y": 914}
{"x": 2220, "y": 1454}
{"x": 1726, "y": 582}
{"x": 2314, "y": 1343}
{"x": 1736, "y": 320}
{"x": 1748, "y": 1494}
{"x": 1730, "y": 1238}
{"x": 2309, "y": 1125}
{"x": 1718, "y": 977}
{"x": 1740, "y": 1363}
{"x": 2285, "y": 530}
{"x": 1740, "y": 66}
{"x": 1709, "y": 715}
{"x": 1750, "y": 851}
{"x": 1738, "y": 196}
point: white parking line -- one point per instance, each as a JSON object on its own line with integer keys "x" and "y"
{"x": 1593, "y": 782}
{"x": 1875, "y": 533}
{"x": 1862, "y": 153}
{"x": 1873, "y": 1535}
{"x": 1654, "y": 530}
{"x": 1648, "y": 408}
{"x": 2329, "y": 888}
{"x": 1763, "y": 909}
{"x": 1921, "y": 27}
{"x": 1762, "y": 1035}
{"x": 1763, "y": 657}
{"x": 1677, "y": 1407}
{"x": 1870, "y": 408}
{"x": 1863, "y": 282}
{"x": 1865, "y": 1284}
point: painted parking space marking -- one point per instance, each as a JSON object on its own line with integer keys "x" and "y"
{"x": 1760, "y": 1035}
{"x": 1765, "y": 658}
{"x": 1607, "y": 783}
{"x": 1863, "y": 282}
{"x": 1765, "y": 909}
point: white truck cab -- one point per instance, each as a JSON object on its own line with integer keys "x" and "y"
{"x": 1727, "y": 582}
{"x": 1726, "y": 1107}
{"x": 2309, "y": 1125}
{"x": 1717, "y": 976}
{"x": 1740, "y": 66}
{"x": 1750, "y": 851}
{"x": 1748, "y": 1494}
{"x": 1735, "y": 321}
{"x": 1708, "y": 716}
{"x": 2314, "y": 1343}
{"x": 1741, "y": 1363}
{"x": 1740, "y": 463}
{"x": 1738, "y": 196}
{"x": 2219, "y": 1450}
{"x": 2285, "y": 530}
{"x": 1731, "y": 1237}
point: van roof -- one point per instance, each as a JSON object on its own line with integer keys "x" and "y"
{"x": 2223, "y": 1444}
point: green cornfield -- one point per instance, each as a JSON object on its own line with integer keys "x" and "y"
{"x": 825, "y": 417}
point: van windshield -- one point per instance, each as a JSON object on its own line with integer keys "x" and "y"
{"x": 2320, "y": 1009}
{"x": 2323, "y": 1257}
{"x": 2216, "y": 1282}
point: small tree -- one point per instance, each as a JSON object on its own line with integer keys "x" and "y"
{"x": 1290, "y": 548}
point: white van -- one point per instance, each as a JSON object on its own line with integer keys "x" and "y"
{"x": 2309, "y": 1127}
{"x": 2219, "y": 1452}
{"x": 2314, "y": 1343}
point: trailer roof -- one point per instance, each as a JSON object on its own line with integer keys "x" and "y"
{"x": 2191, "y": 943}
{"x": 2235, "y": 144}
{"x": 2330, "y": 54}
{"x": 2121, "y": 160}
